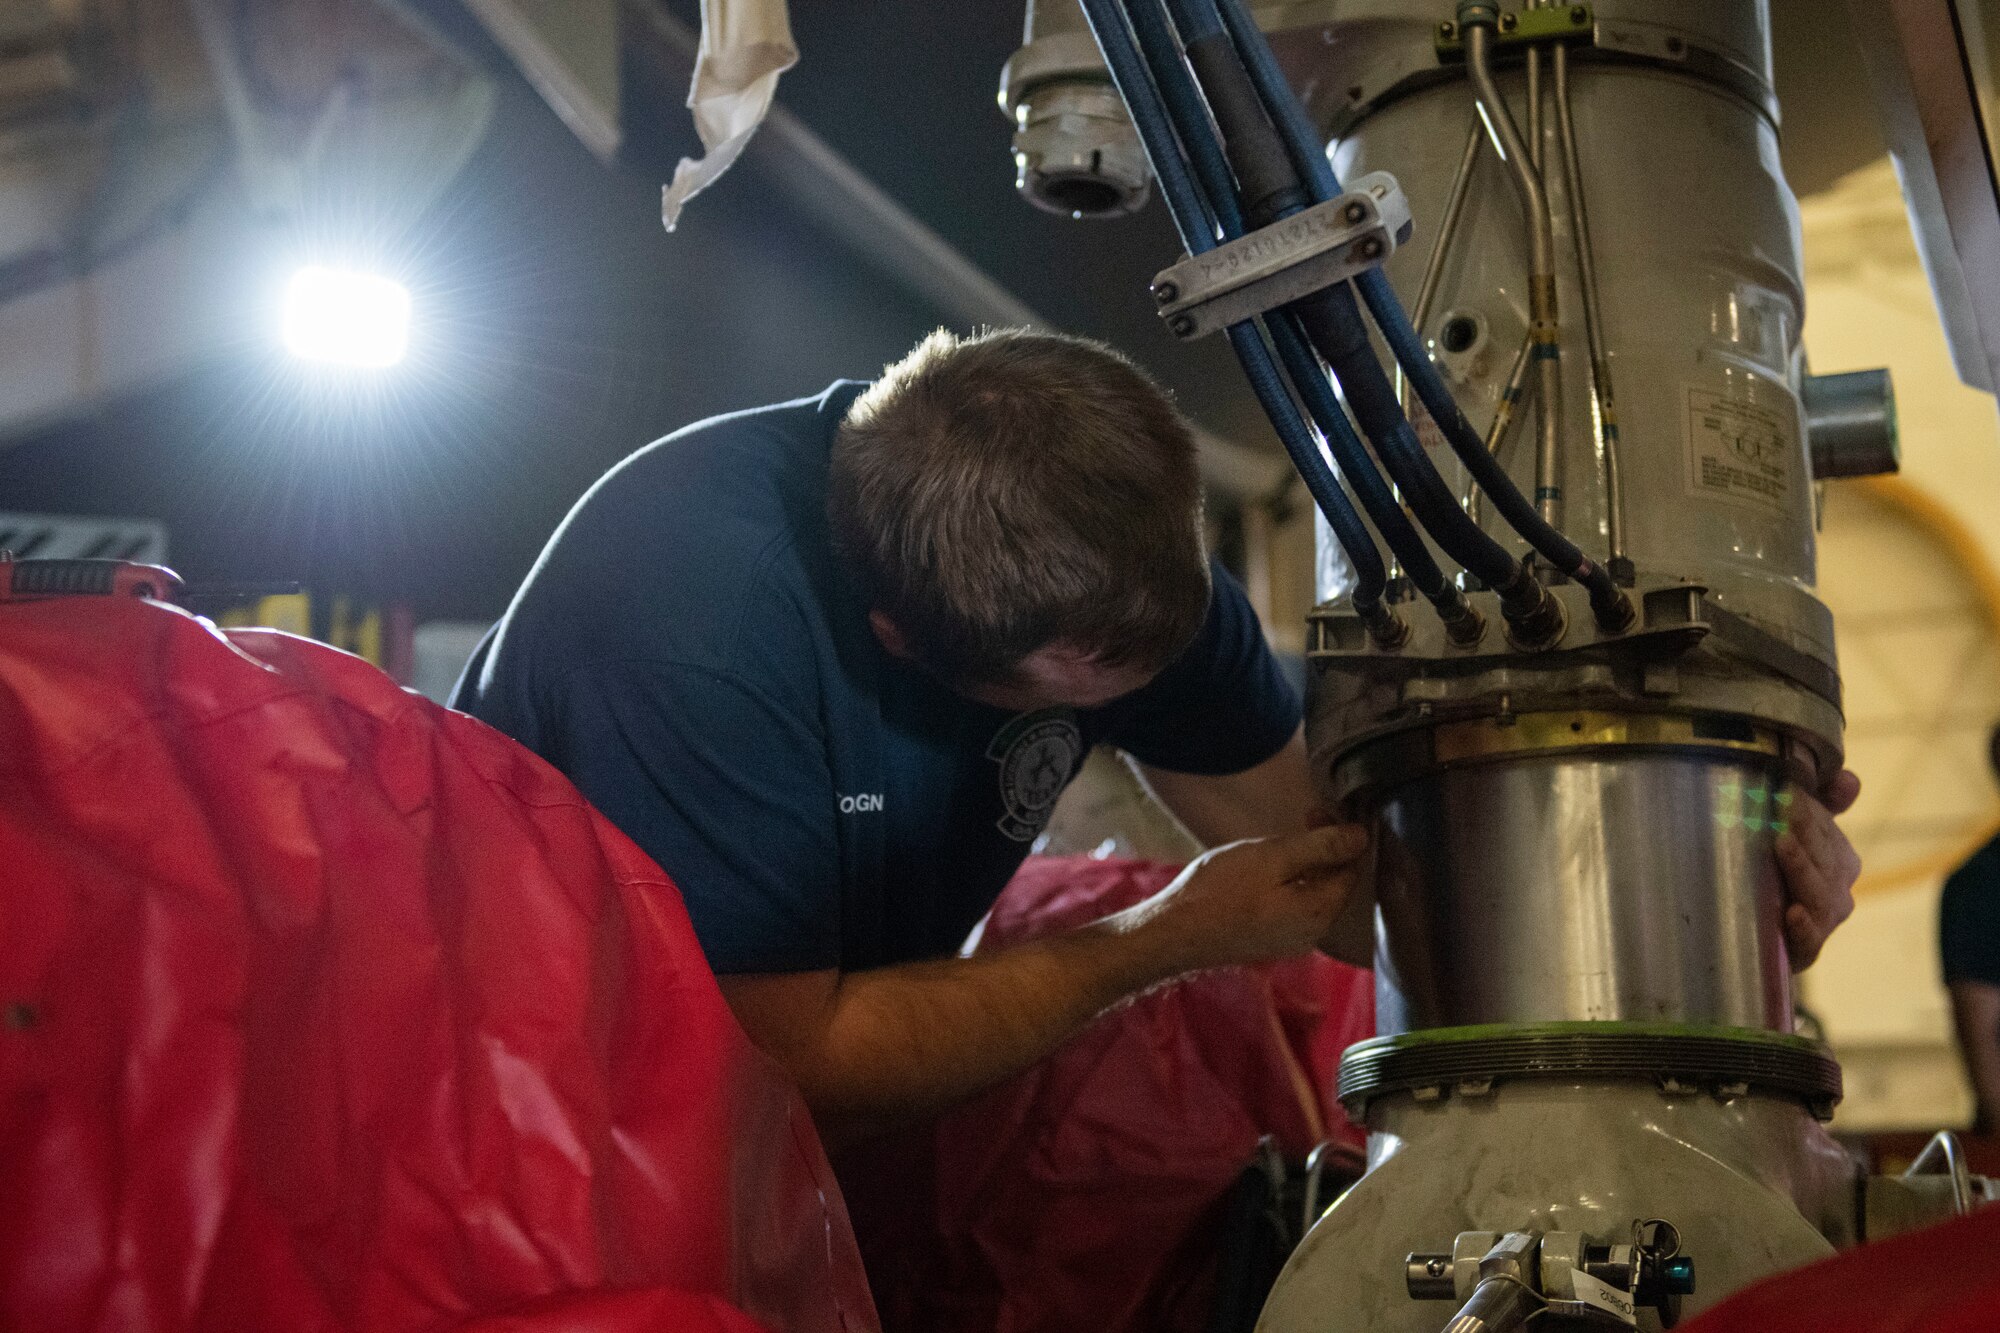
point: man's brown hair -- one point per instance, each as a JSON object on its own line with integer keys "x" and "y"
{"x": 1008, "y": 492}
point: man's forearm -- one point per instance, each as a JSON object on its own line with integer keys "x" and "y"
{"x": 901, "y": 1042}
{"x": 870, "y": 1048}
{"x": 1275, "y": 797}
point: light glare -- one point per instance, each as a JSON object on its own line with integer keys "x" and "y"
{"x": 346, "y": 317}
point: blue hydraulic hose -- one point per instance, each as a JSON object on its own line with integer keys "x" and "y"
{"x": 1302, "y": 143}
{"x": 1192, "y": 219}
{"x": 1189, "y": 115}
{"x": 1370, "y": 577}
{"x": 1325, "y": 409}
{"x": 1149, "y": 118}
{"x": 1331, "y": 320}
{"x": 1196, "y": 19}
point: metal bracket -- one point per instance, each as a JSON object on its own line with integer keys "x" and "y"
{"x": 1294, "y": 257}
{"x": 1508, "y": 1280}
{"x": 1522, "y": 27}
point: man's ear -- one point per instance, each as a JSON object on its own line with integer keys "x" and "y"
{"x": 890, "y": 637}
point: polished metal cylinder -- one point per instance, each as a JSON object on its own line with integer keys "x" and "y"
{"x": 1851, "y": 424}
{"x": 1603, "y": 883}
{"x": 1635, "y": 885}
{"x": 1429, "y": 1277}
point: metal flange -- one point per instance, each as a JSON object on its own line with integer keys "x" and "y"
{"x": 1679, "y": 1058}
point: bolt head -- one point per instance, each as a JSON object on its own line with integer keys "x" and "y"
{"x": 1180, "y": 326}
{"x": 1371, "y": 248}
{"x": 1355, "y": 212}
{"x": 1166, "y": 293}
{"x": 1579, "y": 15}
{"x": 1447, "y": 30}
{"x": 1508, "y": 22}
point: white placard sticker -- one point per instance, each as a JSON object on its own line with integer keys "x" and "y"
{"x": 1740, "y": 451}
{"x": 1601, "y": 1295}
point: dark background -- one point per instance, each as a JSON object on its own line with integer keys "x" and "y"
{"x": 560, "y": 327}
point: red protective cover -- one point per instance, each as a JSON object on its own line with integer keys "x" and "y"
{"x": 324, "y": 1008}
{"x": 1084, "y": 1194}
{"x": 1943, "y": 1279}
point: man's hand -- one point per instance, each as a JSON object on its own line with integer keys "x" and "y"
{"x": 1252, "y": 901}
{"x": 1820, "y": 867}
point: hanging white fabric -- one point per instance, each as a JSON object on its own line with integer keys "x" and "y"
{"x": 745, "y": 46}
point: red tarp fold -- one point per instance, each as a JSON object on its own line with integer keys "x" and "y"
{"x": 324, "y": 1008}
{"x": 1943, "y": 1279}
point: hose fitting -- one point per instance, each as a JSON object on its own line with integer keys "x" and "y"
{"x": 1608, "y": 602}
{"x": 1388, "y": 628}
{"x": 1535, "y": 616}
{"x": 1463, "y": 624}
{"x": 1478, "y": 11}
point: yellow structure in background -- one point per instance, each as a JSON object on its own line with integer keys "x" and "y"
{"x": 1917, "y": 611}
{"x": 358, "y": 633}
{"x": 290, "y": 612}
{"x": 1906, "y": 567}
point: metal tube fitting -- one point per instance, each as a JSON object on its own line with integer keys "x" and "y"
{"x": 1593, "y": 314}
{"x": 1463, "y": 624}
{"x": 1612, "y": 608}
{"x": 1543, "y": 320}
{"x": 1535, "y": 616}
{"x": 1388, "y": 628}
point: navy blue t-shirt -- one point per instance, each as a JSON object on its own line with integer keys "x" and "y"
{"x": 1969, "y": 919}
{"x": 689, "y": 653}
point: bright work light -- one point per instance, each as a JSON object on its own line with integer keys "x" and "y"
{"x": 346, "y": 317}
